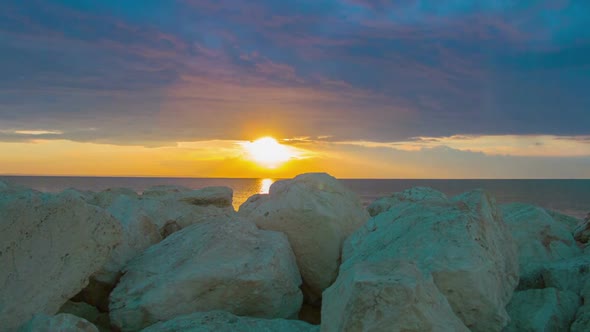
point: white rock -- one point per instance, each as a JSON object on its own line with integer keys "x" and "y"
{"x": 582, "y": 231}
{"x": 164, "y": 190}
{"x": 186, "y": 207}
{"x": 217, "y": 196}
{"x": 219, "y": 321}
{"x": 49, "y": 247}
{"x": 415, "y": 194}
{"x": 106, "y": 197}
{"x": 317, "y": 213}
{"x": 139, "y": 232}
{"x": 89, "y": 313}
{"x": 540, "y": 239}
{"x": 582, "y": 321}
{"x": 542, "y": 310}
{"x": 570, "y": 274}
{"x": 7, "y": 188}
{"x": 386, "y": 296}
{"x": 569, "y": 222}
{"x": 216, "y": 265}
{"x": 149, "y": 218}
{"x": 462, "y": 242}
{"x": 58, "y": 323}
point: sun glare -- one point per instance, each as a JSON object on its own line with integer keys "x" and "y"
{"x": 265, "y": 186}
{"x": 268, "y": 152}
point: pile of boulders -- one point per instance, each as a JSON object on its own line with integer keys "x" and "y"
{"x": 304, "y": 257}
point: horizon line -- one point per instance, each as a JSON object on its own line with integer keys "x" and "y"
{"x": 257, "y": 178}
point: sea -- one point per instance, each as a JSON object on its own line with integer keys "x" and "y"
{"x": 571, "y": 197}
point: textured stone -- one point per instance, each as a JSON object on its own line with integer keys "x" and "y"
{"x": 415, "y": 194}
{"x": 139, "y": 232}
{"x": 570, "y": 274}
{"x": 540, "y": 239}
{"x": 542, "y": 310}
{"x": 463, "y": 242}
{"x": 58, "y": 323}
{"x": 317, "y": 213}
{"x": 84, "y": 310}
{"x": 582, "y": 231}
{"x": 219, "y": 321}
{"x": 49, "y": 247}
{"x": 386, "y": 296}
{"x": 582, "y": 320}
{"x": 216, "y": 265}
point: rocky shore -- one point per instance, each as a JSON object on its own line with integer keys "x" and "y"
{"x": 305, "y": 257}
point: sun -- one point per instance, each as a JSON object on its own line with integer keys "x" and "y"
{"x": 268, "y": 152}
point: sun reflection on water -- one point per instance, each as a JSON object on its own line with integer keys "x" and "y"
{"x": 265, "y": 185}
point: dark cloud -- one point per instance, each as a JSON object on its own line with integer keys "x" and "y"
{"x": 160, "y": 72}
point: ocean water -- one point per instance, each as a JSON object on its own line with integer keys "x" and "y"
{"x": 570, "y": 197}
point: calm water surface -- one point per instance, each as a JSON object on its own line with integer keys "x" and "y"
{"x": 567, "y": 196}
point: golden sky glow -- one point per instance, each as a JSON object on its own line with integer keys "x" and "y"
{"x": 443, "y": 157}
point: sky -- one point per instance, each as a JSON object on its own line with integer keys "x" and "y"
{"x": 356, "y": 88}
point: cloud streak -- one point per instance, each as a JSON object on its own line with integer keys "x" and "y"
{"x": 357, "y": 70}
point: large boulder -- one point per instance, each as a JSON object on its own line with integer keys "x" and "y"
{"x": 540, "y": 239}
{"x": 416, "y": 194}
{"x": 463, "y": 242}
{"x": 220, "y": 321}
{"x": 317, "y": 213}
{"x": 542, "y": 310}
{"x": 386, "y": 296}
{"x": 57, "y": 323}
{"x": 49, "y": 247}
{"x": 231, "y": 266}
{"x": 139, "y": 232}
{"x": 147, "y": 219}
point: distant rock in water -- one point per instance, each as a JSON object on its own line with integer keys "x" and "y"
{"x": 226, "y": 265}
{"x": 49, "y": 247}
{"x": 461, "y": 242}
{"x": 317, "y": 213}
{"x": 220, "y": 321}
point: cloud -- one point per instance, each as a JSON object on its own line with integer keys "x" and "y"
{"x": 493, "y": 145}
{"x": 356, "y": 70}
